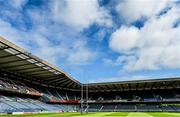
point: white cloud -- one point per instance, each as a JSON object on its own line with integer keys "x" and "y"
{"x": 132, "y": 10}
{"x": 80, "y": 14}
{"x": 7, "y": 30}
{"x": 48, "y": 41}
{"x": 120, "y": 37}
{"x": 154, "y": 46}
{"x": 31, "y": 40}
{"x": 80, "y": 54}
{"x": 67, "y": 15}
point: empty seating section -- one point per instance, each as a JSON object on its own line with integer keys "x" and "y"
{"x": 132, "y": 107}
{"x": 15, "y": 86}
{"x": 12, "y": 104}
{"x": 136, "y": 96}
{"x": 122, "y": 107}
{"x": 107, "y": 108}
{"x": 51, "y": 94}
{"x": 176, "y": 108}
{"x": 141, "y": 107}
{"x": 147, "y": 107}
{"x": 95, "y": 107}
{"x": 18, "y": 104}
{"x": 41, "y": 98}
{"x": 167, "y": 108}
{"x": 153, "y": 108}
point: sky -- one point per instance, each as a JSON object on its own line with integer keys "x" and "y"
{"x": 98, "y": 40}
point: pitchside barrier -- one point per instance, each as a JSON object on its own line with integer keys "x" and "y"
{"x": 30, "y": 113}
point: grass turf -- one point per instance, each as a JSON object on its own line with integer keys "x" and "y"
{"x": 103, "y": 114}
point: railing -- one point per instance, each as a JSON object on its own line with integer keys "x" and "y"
{"x": 52, "y": 99}
{"x": 135, "y": 100}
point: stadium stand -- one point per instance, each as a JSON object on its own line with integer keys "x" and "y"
{"x": 30, "y": 84}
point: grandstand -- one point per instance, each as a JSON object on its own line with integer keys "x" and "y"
{"x": 30, "y": 84}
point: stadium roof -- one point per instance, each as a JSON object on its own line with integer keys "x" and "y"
{"x": 34, "y": 69}
{"x": 166, "y": 83}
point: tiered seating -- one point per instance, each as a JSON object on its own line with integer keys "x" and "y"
{"x": 176, "y": 108}
{"x": 95, "y": 107}
{"x": 167, "y": 108}
{"x": 18, "y": 87}
{"x": 13, "y": 104}
{"x": 147, "y": 107}
{"x": 69, "y": 108}
{"x": 108, "y": 108}
{"x": 153, "y": 108}
{"x": 57, "y": 96}
{"x": 131, "y": 107}
{"x": 141, "y": 107}
{"x": 122, "y": 107}
{"x": 53, "y": 99}
{"x": 117, "y": 107}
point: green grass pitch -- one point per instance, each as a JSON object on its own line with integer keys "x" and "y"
{"x": 103, "y": 114}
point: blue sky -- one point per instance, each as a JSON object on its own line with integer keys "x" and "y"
{"x": 98, "y": 40}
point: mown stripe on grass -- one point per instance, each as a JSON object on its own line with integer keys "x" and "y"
{"x": 165, "y": 114}
{"x": 138, "y": 114}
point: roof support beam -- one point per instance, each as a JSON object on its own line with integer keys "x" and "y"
{"x": 122, "y": 87}
{"x": 50, "y": 79}
{"x": 119, "y": 87}
{"x": 65, "y": 84}
{"x": 56, "y": 79}
{"x": 10, "y": 62}
{"x": 70, "y": 84}
{"x": 161, "y": 85}
{"x": 15, "y": 66}
{"x": 46, "y": 80}
{"x": 145, "y": 86}
{"x": 152, "y": 86}
{"x": 17, "y": 76}
{"x": 137, "y": 86}
{"x": 129, "y": 87}
{"x": 172, "y": 84}
{"x": 2, "y": 48}
{"x": 44, "y": 75}
{"x": 11, "y": 55}
{"x": 115, "y": 87}
{"x": 60, "y": 82}
{"x": 30, "y": 70}
{"x": 37, "y": 72}
{"x": 109, "y": 88}
{"x": 76, "y": 86}
{"x": 24, "y": 69}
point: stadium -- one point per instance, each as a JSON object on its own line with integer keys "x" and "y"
{"x": 30, "y": 86}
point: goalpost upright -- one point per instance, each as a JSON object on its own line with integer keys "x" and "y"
{"x": 84, "y": 97}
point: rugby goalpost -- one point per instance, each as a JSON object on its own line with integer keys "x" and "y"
{"x": 84, "y": 101}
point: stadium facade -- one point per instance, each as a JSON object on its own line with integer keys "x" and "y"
{"x": 30, "y": 84}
